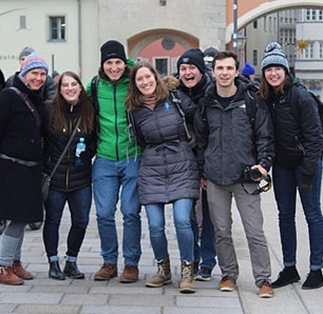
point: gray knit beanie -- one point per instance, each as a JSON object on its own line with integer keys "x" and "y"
{"x": 274, "y": 55}
{"x": 26, "y": 51}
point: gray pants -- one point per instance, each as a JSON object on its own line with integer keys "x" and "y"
{"x": 220, "y": 199}
{"x": 11, "y": 243}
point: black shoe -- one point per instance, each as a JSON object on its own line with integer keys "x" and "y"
{"x": 314, "y": 280}
{"x": 72, "y": 271}
{"x": 287, "y": 276}
{"x": 55, "y": 271}
{"x": 204, "y": 274}
{"x": 195, "y": 268}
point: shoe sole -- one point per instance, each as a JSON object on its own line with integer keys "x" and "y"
{"x": 266, "y": 295}
{"x": 200, "y": 278}
{"x": 75, "y": 277}
{"x": 104, "y": 278}
{"x": 61, "y": 278}
{"x": 311, "y": 288}
{"x": 285, "y": 284}
{"x": 187, "y": 291}
{"x": 12, "y": 284}
{"x": 226, "y": 289}
{"x": 128, "y": 280}
{"x": 151, "y": 285}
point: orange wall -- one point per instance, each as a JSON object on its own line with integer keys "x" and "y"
{"x": 244, "y": 6}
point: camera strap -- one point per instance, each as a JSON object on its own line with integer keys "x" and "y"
{"x": 263, "y": 188}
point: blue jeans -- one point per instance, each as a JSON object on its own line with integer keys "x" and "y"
{"x": 156, "y": 221}
{"x": 206, "y": 250}
{"x": 79, "y": 202}
{"x": 286, "y": 181}
{"x": 108, "y": 176}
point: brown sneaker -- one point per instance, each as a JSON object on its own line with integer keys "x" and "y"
{"x": 227, "y": 284}
{"x": 21, "y": 272}
{"x": 266, "y": 291}
{"x": 106, "y": 272}
{"x": 130, "y": 274}
{"x": 8, "y": 277}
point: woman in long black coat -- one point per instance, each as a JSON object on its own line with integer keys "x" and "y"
{"x": 20, "y": 157}
{"x": 168, "y": 172}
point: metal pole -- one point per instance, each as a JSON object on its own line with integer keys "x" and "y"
{"x": 235, "y": 26}
{"x": 53, "y": 62}
{"x": 79, "y": 38}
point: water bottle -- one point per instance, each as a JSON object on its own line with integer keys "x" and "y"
{"x": 80, "y": 147}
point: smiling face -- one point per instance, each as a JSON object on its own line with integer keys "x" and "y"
{"x": 114, "y": 68}
{"x": 224, "y": 72}
{"x": 275, "y": 75}
{"x": 70, "y": 89}
{"x": 36, "y": 78}
{"x": 189, "y": 74}
{"x": 145, "y": 81}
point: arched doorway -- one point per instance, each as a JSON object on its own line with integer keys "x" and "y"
{"x": 161, "y": 47}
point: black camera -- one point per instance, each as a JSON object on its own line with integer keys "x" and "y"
{"x": 251, "y": 174}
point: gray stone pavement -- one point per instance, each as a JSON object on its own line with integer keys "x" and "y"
{"x": 44, "y": 295}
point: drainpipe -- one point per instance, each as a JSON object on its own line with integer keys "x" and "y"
{"x": 79, "y": 38}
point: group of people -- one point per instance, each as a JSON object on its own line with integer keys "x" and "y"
{"x": 206, "y": 133}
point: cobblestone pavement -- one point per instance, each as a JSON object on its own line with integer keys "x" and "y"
{"x": 44, "y": 295}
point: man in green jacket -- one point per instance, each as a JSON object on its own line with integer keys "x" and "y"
{"x": 116, "y": 165}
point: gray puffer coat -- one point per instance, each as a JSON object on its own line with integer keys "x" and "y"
{"x": 168, "y": 169}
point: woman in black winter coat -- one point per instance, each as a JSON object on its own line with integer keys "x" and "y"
{"x": 72, "y": 180}
{"x": 297, "y": 165}
{"x": 20, "y": 159}
{"x": 168, "y": 172}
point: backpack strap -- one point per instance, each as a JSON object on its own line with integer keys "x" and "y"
{"x": 24, "y": 97}
{"x": 94, "y": 94}
{"x": 177, "y": 103}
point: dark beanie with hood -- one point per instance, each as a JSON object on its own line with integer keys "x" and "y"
{"x": 112, "y": 49}
{"x": 192, "y": 56}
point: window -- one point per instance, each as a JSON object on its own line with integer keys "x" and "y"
{"x": 22, "y": 21}
{"x": 265, "y": 23}
{"x": 321, "y": 50}
{"x": 255, "y": 57}
{"x": 255, "y": 24}
{"x": 270, "y": 24}
{"x": 320, "y": 15}
{"x": 57, "y": 28}
{"x": 161, "y": 65}
{"x": 309, "y": 52}
{"x": 308, "y": 14}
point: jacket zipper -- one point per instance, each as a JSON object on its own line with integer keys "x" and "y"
{"x": 299, "y": 145}
{"x": 116, "y": 119}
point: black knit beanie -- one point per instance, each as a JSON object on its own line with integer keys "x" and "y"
{"x": 112, "y": 49}
{"x": 192, "y": 56}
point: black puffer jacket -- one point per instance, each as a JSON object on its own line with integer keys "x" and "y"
{"x": 68, "y": 177}
{"x": 226, "y": 140}
{"x": 298, "y": 132}
{"x": 168, "y": 169}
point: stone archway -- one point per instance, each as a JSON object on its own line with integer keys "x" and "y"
{"x": 251, "y": 10}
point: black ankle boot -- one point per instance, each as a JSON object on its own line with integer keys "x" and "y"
{"x": 314, "y": 280}
{"x": 55, "y": 271}
{"x": 287, "y": 276}
{"x": 72, "y": 271}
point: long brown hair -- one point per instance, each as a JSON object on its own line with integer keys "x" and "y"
{"x": 133, "y": 99}
{"x": 58, "y": 103}
{"x": 267, "y": 91}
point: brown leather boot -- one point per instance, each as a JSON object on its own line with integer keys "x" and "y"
{"x": 163, "y": 275}
{"x": 187, "y": 284}
{"x": 130, "y": 274}
{"x": 106, "y": 272}
{"x": 21, "y": 272}
{"x": 8, "y": 277}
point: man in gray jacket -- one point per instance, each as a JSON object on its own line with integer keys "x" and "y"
{"x": 235, "y": 151}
